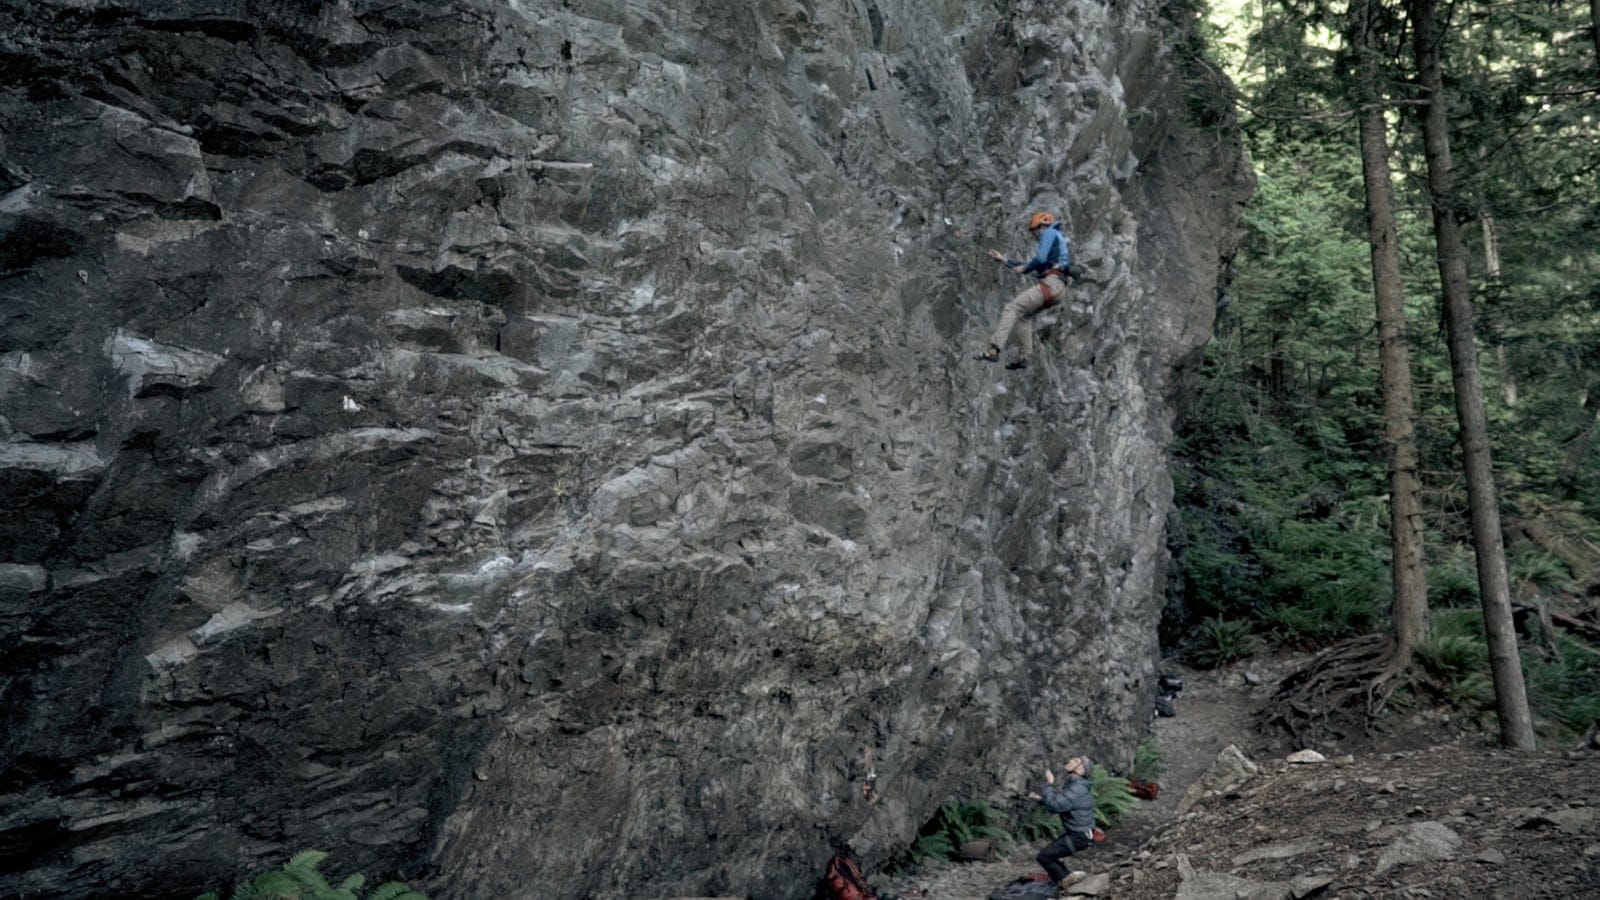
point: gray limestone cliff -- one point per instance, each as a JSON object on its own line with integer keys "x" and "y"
{"x": 535, "y": 447}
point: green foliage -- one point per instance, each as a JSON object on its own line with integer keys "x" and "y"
{"x": 1147, "y": 760}
{"x": 1534, "y": 566}
{"x": 1221, "y": 641}
{"x": 301, "y": 879}
{"x": 1322, "y": 616}
{"x": 1038, "y": 824}
{"x": 1457, "y": 654}
{"x": 1563, "y": 686}
{"x": 1219, "y": 579}
{"x": 956, "y": 823}
{"x": 1283, "y": 500}
{"x": 1285, "y": 527}
{"x": 932, "y": 846}
{"x": 1455, "y": 646}
{"x": 1112, "y": 798}
{"x": 1328, "y": 573}
{"x": 1453, "y": 583}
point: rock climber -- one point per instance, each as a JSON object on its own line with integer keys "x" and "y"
{"x": 1049, "y": 263}
{"x": 1073, "y": 800}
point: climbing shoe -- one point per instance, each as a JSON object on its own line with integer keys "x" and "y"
{"x": 989, "y": 355}
{"x": 1065, "y": 885}
{"x": 1017, "y": 364}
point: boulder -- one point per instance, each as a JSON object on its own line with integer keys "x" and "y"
{"x": 1229, "y": 771}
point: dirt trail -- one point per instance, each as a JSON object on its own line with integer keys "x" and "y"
{"x": 1214, "y": 710}
{"x": 1425, "y": 809}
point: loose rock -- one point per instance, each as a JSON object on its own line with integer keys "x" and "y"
{"x": 1093, "y": 886}
{"x": 1422, "y": 842}
{"x": 1230, "y": 770}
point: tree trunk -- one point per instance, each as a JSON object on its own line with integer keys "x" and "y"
{"x": 1491, "y": 242}
{"x": 1408, "y": 571}
{"x": 1491, "y": 261}
{"x": 1594, "y": 29}
{"x": 1511, "y": 698}
{"x": 1277, "y": 369}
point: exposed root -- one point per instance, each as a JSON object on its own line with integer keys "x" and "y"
{"x": 1347, "y": 683}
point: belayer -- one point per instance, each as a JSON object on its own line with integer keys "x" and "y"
{"x": 1073, "y": 800}
{"x": 1049, "y": 263}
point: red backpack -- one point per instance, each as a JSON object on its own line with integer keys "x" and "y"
{"x": 843, "y": 880}
{"x": 1144, "y": 790}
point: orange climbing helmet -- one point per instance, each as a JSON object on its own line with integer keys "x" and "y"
{"x": 1040, "y": 219}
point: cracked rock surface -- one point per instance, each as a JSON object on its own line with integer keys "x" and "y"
{"x": 534, "y": 448}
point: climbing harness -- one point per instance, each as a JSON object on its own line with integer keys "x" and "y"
{"x": 1044, "y": 289}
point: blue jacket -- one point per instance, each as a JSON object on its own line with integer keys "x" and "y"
{"x": 1052, "y": 252}
{"x": 1073, "y": 801}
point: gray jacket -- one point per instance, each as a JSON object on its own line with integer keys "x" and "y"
{"x": 1074, "y": 800}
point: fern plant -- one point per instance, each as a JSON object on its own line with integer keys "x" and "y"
{"x": 1563, "y": 687}
{"x": 1453, "y": 583}
{"x": 932, "y": 846}
{"x": 1221, "y": 641}
{"x": 956, "y": 823}
{"x": 1038, "y": 824}
{"x": 1455, "y": 646}
{"x": 1147, "y": 762}
{"x": 1112, "y": 798}
{"x": 301, "y": 879}
{"x": 1566, "y": 688}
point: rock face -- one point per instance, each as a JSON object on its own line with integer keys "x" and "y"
{"x": 534, "y": 447}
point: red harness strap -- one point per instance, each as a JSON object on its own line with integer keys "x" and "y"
{"x": 1044, "y": 289}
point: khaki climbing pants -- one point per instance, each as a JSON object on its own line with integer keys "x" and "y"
{"x": 1024, "y": 307}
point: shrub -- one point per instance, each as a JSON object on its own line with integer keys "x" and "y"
{"x": 1540, "y": 568}
{"x": 1322, "y": 616}
{"x": 1038, "y": 824}
{"x": 1221, "y": 641}
{"x": 1455, "y": 646}
{"x": 1566, "y": 687}
{"x": 1218, "y": 579}
{"x": 932, "y": 846}
{"x": 1112, "y": 798}
{"x": 299, "y": 879}
{"x": 1325, "y": 581}
{"x": 1457, "y": 654}
{"x": 1563, "y": 687}
{"x": 1147, "y": 762}
{"x": 956, "y": 823}
{"x": 1453, "y": 584}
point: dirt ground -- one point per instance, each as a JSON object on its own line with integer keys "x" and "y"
{"x": 1426, "y": 809}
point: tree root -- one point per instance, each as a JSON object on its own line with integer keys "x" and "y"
{"x": 1349, "y": 682}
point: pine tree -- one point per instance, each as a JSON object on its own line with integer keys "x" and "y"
{"x": 1511, "y": 700}
{"x": 1409, "y": 623}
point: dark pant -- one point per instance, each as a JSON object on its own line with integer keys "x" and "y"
{"x": 1068, "y": 844}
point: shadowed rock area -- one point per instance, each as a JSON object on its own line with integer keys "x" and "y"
{"x": 534, "y": 447}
